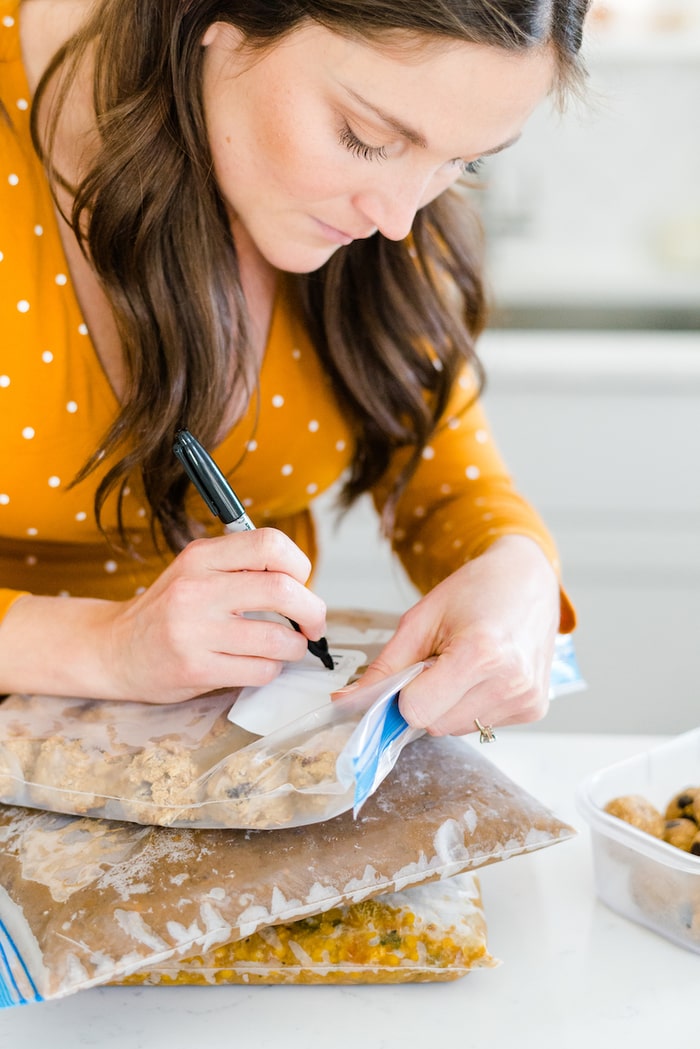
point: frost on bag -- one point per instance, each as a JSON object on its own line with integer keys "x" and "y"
{"x": 88, "y": 901}
{"x": 187, "y": 764}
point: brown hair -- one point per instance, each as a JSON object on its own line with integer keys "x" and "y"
{"x": 393, "y": 322}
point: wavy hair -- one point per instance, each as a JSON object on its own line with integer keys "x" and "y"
{"x": 394, "y": 323}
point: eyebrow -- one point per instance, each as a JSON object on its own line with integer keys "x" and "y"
{"x": 411, "y": 134}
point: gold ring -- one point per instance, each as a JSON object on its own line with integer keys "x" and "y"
{"x": 486, "y": 733}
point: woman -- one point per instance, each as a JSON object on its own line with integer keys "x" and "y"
{"x": 253, "y": 235}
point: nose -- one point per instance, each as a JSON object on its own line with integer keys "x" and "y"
{"x": 391, "y": 208}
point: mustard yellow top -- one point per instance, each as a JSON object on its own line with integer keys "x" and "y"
{"x": 56, "y": 403}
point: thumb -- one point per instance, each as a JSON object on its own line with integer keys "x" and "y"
{"x": 407, "y": 646}
{"x": 377, "y": 670}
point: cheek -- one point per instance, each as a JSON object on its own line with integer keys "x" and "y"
{"x": 300, "y": 155}
{"x": 309, "y": 176}
{"x": 439, "y": 183}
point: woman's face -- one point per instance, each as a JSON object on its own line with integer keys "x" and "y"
{"x": 322, "y": 140}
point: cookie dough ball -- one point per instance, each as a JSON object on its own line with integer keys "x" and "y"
{"x": 634, "y": 809}
{"x": 681, "y": 833}
{"x": 683, "y": 805}
{"x": 17, "y": 757}
{"x": 66, "y": 776}
{"x": 665, "y": 896}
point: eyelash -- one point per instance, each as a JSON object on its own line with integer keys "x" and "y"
{"x": 471, "y": 168}
{"x": 358, "y": 148}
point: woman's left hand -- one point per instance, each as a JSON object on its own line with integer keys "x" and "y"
{"x": 490, "y": 629}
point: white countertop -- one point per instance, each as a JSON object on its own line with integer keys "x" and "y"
{"x": 574, "y": 975}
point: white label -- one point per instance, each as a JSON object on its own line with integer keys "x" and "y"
{"x": 300, "y": 688}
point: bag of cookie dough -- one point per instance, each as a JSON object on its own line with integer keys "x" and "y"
{"x": 87, "y": 901}
{"x": 283, "y": 755}
{"x": 429, "y": 933}
{"x": 188, "y": 764}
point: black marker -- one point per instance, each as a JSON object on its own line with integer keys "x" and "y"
{"x": 225, "y": 504}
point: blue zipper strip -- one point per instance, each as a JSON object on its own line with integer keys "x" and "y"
{"x": 13, "y": 973}
{"x": 392, "y": 725}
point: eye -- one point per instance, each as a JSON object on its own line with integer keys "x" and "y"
{"x": 358, "y": 148}
{"x": 473, "y": 167}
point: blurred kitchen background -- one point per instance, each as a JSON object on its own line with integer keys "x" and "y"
{"x": 593, "y": 364}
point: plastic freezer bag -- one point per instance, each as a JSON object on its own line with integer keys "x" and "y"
{"x": 432, "y": 932}
{"x": 87, "y": 901}
{"x": 187, "y": 764}
{"x": 192, "y": 765}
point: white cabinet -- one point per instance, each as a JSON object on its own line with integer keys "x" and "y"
{"x": 593, "y": 217}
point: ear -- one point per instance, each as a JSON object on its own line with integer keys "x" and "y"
{"x": 211, "y": 34}
{"x": 223, "y": 32}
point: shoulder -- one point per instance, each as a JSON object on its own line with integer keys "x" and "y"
{"x": 44, "y": 26}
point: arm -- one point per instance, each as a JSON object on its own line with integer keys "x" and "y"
{"x": 489, "y": 571}
{"x": 184, "y": 636}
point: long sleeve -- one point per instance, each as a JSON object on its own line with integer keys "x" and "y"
{"x": 460, "y": 500}
{"x": 7, "y": 599}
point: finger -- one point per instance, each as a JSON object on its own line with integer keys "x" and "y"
{"x": 405, "y": 648}
{"x": 272, "y": 592}
{"x": 229, "y": 592}
{"x": 375, "y": 672}
{"x": 487, "y": 705}
{"x": 467, "y": 682}
{"x": 262, "y": 550}
{"x": 259, "y": 638}
{"x": 444, "y": 683}
{"x": 216, "y": 672}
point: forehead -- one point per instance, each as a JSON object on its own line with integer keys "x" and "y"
{"x": 439, "y": 84}
{"x": 462, "y": 99}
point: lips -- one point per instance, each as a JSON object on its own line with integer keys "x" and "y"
{"x": 341, "y": 236}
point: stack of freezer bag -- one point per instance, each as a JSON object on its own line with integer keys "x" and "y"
{"x": 87, "y": 901}
{"x": 196, "y": 888}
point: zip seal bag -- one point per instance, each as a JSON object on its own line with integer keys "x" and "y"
{"x": 374, "y": 747}
{"x": 427, "y": 933}
{"x": 187, "y": 765}
{"x": 565, "y": 676}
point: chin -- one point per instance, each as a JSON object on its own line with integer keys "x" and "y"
{"x": 301, "y": 259}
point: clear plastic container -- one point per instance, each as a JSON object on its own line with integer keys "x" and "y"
{"x": 638, "y": 875}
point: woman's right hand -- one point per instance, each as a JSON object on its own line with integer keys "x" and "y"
{"x": 184, "y": 636}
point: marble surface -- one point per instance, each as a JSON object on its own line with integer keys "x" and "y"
{"x": 574, "y": 975}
